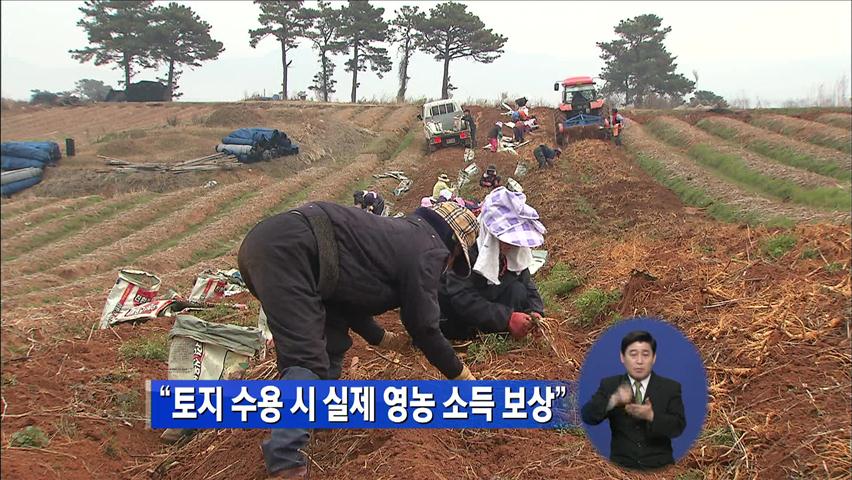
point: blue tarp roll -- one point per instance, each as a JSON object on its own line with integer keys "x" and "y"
{"x": 255, "y": 144}
{"x": 15, "y": 187}
{"x": 8, "y": 162}
{"x": 50, "y": 147}
{"x": 26, "y": 150}
{"x": 263, "y": 137}
{"x": 17, "y": 175}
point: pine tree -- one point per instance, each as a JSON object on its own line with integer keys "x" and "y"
{"x": 363, "y": 27}
{"x": 287, "y": 22}
{"x": 452, "y": 32}
{"x": 637, "y": 63}
{"x": 324, "y": 34}
{"x": 404, "y": 33}
{"x": 118, "y": 33}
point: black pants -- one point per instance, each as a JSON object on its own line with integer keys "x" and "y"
{"x": 279, "y": 263}
{"x": 541, "y": 159}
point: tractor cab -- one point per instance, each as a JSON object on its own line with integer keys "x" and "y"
{"x": 581, "y": 113}
{"x": 579, "y": 95}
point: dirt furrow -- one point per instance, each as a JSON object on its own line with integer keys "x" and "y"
{"x": 101, "y": 234}
{"x": 142, "y": 241}
{"x": 46, "y": 213}
{"x": 695, "y": 136}
{"x": 220, "y": 231}
{"x": 327, "y": 189}
{"x": 34, "y": 238}
{"x": 372, "y": 118}
{"x": 746, "y": 133}
{"x": 183, "y": 278}
{"x": 839, "y": 120}
{"x": 400, "y": 118}
{"x": 9, "y": 209}
{"x": 703, "y": 179}
{"x": 813, "y": 132}
{"x": 54, "y": 283}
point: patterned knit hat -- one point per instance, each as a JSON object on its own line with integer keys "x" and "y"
{"x": 463, "y": 224}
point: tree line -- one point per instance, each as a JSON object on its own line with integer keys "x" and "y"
{"x": 133, "y": 35}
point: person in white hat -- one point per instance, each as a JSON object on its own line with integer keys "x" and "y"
{"x": 500, "y": 295}
{"x": 443, "y": 183}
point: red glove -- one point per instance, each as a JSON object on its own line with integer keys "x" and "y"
{"x": 520, "y": 324}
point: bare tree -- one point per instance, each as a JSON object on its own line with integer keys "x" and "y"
{"x": 841, "y": 99}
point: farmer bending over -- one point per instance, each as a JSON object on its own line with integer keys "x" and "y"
{"x": 500, "y": 295}
{"x": 323, "y": 269}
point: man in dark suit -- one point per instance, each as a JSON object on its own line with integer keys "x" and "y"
{"x": 645, "y": 410}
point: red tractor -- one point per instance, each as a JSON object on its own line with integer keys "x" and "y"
{"x": 582, "y": 112}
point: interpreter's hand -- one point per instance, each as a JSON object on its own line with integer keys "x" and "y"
{"x": 520, "y": 325}
{"x": 641, "y": 411}
{"x": 395, "y": 342}
{"x": 622, "y": 396}
{"x": 465, "y": 374}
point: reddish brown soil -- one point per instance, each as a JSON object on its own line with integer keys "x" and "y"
{"x": 777, "y": 353}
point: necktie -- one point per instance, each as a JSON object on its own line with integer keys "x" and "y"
{"x": 637, "y": 395}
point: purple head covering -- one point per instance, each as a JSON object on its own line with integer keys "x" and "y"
{"x": 508, "y": 217}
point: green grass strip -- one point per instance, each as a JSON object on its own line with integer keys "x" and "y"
{"x": 78, "y": 222}
{"x": 799, "y": 160}
{"x": 815, "y": 138}
{"x": 836, "y": 122}
{"x": 735, "y": 169}
{"x": 696, "y": 197}
{"x": 779, "y": 153}
{"x": 74, "y": 206}
{"x": 11, "y": 210}
{"x": 289, "y": 202}
{"x": 406, "y": 141}
{"x": 230, "y": 206}
{"x": 130, "y": 226}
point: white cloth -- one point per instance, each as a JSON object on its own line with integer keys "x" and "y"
{"x": 487, "y": 263}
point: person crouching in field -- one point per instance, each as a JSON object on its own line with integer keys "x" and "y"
{"x": 500, "y": 295}
{"x": 324, "y": 270}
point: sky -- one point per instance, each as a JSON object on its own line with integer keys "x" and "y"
{"x": 766, "y": 51}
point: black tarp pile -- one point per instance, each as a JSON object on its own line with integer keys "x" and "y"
{"x": 256, "y": 144}
{"x": 23, "y": 164}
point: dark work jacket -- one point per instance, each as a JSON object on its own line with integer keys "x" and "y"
{"x": 373, "y": 199}
{"x": 494, "y": 132}
{"x": 387, "y": 263}
{"x": 636, "y": 443}
{"x": 545, "y": 152}
{"x": 489, "y": 181}
{"x": 472, "y": 300}
{"x": 471, "y": 123}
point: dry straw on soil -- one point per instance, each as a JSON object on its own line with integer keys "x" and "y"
{"x": 684, "y": 168}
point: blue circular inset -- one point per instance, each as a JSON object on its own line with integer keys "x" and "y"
{"x": 676, "y": 359}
